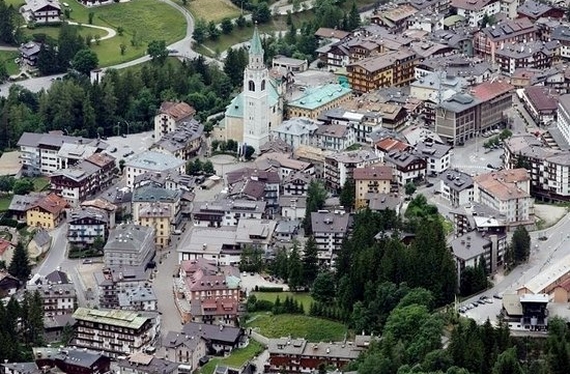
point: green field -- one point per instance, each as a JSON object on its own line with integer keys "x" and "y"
{"x": 40, "y": 183}
{"x": 8, "y": 58}
{"x": 237, "y": 359}
{"x": 211, "y": 10}
{"x": 5, "y": 201}
{"x": 147, "y": 19}
{"x": 53, "y": 31}
{"x": 298, "y": 326}
{"x": 241, "y": 35}
{"x": 303, "y": 298}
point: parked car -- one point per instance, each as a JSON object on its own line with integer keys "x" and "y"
{"x": 542, "y": 238}
{"x": 497, "y": 296}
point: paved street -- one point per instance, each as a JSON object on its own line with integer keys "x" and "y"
{"x": 57, "y": 253}
{"x": 473, "y": 158}
{"x": 543, "y": 254}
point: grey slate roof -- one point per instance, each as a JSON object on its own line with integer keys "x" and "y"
{"x": 226, "y": 334}
{"x": 327, "y": 222}
{"x": 128, "y": 237}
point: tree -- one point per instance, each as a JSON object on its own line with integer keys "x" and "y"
{"x": 6, "y": 183}
{"x": 3, "y": 71}
{"x": 410, "y": 188}
{"x": 23, "y": 186}
{"x": 249, "y": 151}
{"x": 310, "y": 262}
{"x": 227, "y": 26}
{"x": 98, "y": 243}
{"x": 208, "y": 168}
{"x": 316, "y": 196}
{"x": 323, "y": 289}
{"x": 240, "y": 21}
{"x": 200, "y": 29}
{"x": 295, "y": 268}
{"x": 91, "y": 15}
{"x": 157, "y": 51}
{"x": 123, "y": 48}
{"x": 7, "y": 23}
{"x": 508, "y": 363}
{"x": 20, "y": 265}
{"x": 194, "y": 167}
{"x": 261, "y": 13}
{"x": 520, "y": 244}
{"x": 347, "y": 194}
{"x": 280, "y": 266}
{"x": 120, "y": 30}
{"x": 84, "y": 61}
{"x": 353, "y": 17}
{"x": 213, "y": 31}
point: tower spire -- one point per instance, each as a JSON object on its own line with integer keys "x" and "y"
{"x": 256, "y": 48}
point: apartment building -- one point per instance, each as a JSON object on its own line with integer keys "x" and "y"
{"x": 394, "y": 19}
{"x": 390, "y": 69}
{"x": 142, "y": 363}
{"x": 437, "y": 156}
{"x": 84, "y": 178}
{"x": 284, "y": 164}
{"x": 496, "y": 37}
{"x": 116, "y": 332}
{"x": 46, "y": 212}
{"x": 255, "y": 185}
{"x": 141, "y": 298}
{"x": 334, "y": 137}
{"x": 329, "y": 230}
{"x": 508, "y": 192}
{"x": 296, "y": 184}
{"x": 563, "y": 116}
{"x": 541, "y": 103}
{"x": 158, "y": 217}
{"x": 474, "y": 70}
{"x": 183, "y": 142}
{"x": 296, "y": 356}
{"x": 362, "y": 122}
{"x": 315, "y": 100}
{"x": 549, "y": 169}
{"x": 535, "y": 55}
{"x": 171, "y": 200}
{"x": 39, "y": 152}
{"x": 69, "y": 360}
{"x": 208, "y": 293}
{"x": 171, "y": 115}
{"x": 339, "y": 167}
{"x": 372, "y": 179}
{"x": 473, "y": 11}
{"x": 130, "y": 245}
{"x": 407, "y": 165}
{"x": 296, "y": 131}
{"x": 226, "y": 212}
{"x": 151, "y": 161}
{"x": 87, "y": 224}
{"x": 57, "y": 299}
{"x": 117, "y": 280}
{"x": 469, "y": 248}
{"x": 456, "y": 187}
{"x": 464, "y": 116}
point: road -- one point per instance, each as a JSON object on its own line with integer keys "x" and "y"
{"x": 543, "y": 254}
{"x": 57, "y": 253}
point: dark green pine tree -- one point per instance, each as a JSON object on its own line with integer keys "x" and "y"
{"x": 316, "y": 196}
{"x": 20, "y": 264}
{"x": 353, "y": 17}
{"x": 310, "y": 262}
{"x": 347, "y": 193}
{"x": 295, "y": 269}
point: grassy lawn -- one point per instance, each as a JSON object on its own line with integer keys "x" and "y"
{"x": 15, "y": 3}
{"x": 5, "y": 201}
{"x": 8, "y": 57}
{"x": 303, "y": 298}
{"x": 298, "y": 326}
{"x": 53, "y": 31}
{"x": 241, "y": 35}
{"x": 211, "y": 10}
{"x": 40, "y": 183}
{"x": 148, "y": 19}
{"x": 236, "y": 359}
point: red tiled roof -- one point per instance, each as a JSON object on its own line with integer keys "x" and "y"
{"x": 52, "y": 204}
{"x": 177, "y": 110}
{"x": 388, "y": 144}
{"x": 379, "y": 172}
{"x": 540, "y": 98}
{"x": 491, "y": 89}
{"x": 4, "y": 245}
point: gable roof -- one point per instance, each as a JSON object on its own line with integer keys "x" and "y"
{"x": 177, "y": 111}
{"x": 51, "y": 203}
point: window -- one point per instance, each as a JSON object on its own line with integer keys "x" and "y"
{"x": 263, "y": 85}
{"x": 251, "y": 86}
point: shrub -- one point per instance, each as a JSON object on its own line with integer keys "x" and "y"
{"x": 269, "y": 289}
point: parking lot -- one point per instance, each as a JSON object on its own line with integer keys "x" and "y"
{"x": 249, "y": 281}
{"x": 481, "y": 310}
{"x": 474, "y": 159}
